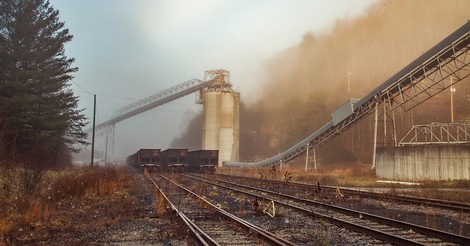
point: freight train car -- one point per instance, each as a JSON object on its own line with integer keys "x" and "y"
{"x": 149, "y": 158}
{"x": 174, "y": 160}
{"x": 203, "y": 161}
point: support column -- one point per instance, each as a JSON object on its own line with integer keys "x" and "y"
{"x": 314, "y": 160}
{"x": 306, "y": 158}
{"x": 93, "y": 134}
{"x": 106, "y": 151}
{"x": 388, "y": 135}
{"x": 112, "y": 142}
{"x": 375, "y": 133}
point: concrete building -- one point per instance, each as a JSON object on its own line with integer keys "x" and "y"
{"x": 221, "y": 116}
{"x": 424, "y": 162}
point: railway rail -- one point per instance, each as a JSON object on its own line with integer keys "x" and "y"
{"x": 442, "y": 204}
{"x": 389, "y": 230}
{"x": 208, "y": 224}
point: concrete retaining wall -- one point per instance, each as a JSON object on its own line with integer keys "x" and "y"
{"x": 429, "y": 162}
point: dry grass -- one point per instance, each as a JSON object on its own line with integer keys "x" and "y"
{"x": 361, "y": 176}
{"x": 21, "y": 208}
{"x": 459, "y": 195}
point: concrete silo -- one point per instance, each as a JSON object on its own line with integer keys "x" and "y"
{"x": 221, "y": 116}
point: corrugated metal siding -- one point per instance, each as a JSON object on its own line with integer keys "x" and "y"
{"x": 343, "y": 111}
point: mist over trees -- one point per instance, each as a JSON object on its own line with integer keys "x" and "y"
{"x": 39, "y": 119}
{"x": 191, "y": 138}
{"x": 352, "y": 58}
{"x": 307, "y": 82}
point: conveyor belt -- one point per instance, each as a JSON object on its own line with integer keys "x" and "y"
{"x": 420, "y": 80}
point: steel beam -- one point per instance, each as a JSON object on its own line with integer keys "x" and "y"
{"x": 437, "y": 133}
{"x": 158, "y": 99}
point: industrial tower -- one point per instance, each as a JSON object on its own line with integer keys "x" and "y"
{"x": 221, "y": 126}
{"x": 221, "y": 112}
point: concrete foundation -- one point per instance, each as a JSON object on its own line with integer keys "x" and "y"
{"x": 425, "y": 162}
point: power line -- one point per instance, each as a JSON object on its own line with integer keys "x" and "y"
{"x": 119, "y": 97}
{"x": 82, "y": 88}
{"x": 88, "y": 92}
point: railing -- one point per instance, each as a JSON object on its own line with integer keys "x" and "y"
{"x": 158, "y": 99}
{"x": 437, "y": 133}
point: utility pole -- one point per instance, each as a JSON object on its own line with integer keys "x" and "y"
{"x": 375, "y": 132}
{"x": 452, "y": 91}
{"x": 349, "y": 98}
{"x": 106, "y": 150}
{"x": 306, "y": 158}
{"x": 314, "y": 160}
{"x": 349, "y": 82}
{"x": 93, "y": 134}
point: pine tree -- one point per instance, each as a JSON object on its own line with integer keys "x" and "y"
{"x": 38, "y": 111}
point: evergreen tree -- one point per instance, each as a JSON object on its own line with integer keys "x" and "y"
{"x": 39, "y": 118}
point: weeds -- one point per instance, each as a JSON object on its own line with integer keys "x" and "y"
{"x": 361, "y": 176}
{"x": 30, "y": 197}
{"x": 30, "y": 177}
{"x": 288, "y": 176}
{"x": 274, "y": 172}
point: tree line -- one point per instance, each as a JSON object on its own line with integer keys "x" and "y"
{"x": 39, "y": 118}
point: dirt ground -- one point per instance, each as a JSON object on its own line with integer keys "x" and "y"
{"x": 124, "y": 218}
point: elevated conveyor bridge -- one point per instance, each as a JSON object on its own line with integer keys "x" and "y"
{"x": 153, "y": 101}
{"x": 214, "y": 81}
{"x": 422, "y": 79}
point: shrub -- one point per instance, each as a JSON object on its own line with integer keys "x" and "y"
{"x": 24, "y": 204}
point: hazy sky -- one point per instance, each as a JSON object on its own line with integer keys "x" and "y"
{"x": 130, "y": 49}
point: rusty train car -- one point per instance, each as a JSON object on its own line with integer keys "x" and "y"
{"x": 149, "y": 158}
{"x": 175, "y": 160}
{"x": 203, "y": 161}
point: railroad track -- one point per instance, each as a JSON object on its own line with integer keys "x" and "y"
{"x": 389, "y": 230}
{"x": 303, "y": 187}
{"x": 447, "y": 216}
{"x": 208, "y": 224}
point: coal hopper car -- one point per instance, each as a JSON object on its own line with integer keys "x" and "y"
{"x": 174, "y": 160}
{"x": 203, "y": 161}
{"x": 145, "y": 158}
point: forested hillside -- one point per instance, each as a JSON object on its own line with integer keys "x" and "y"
{"x": 307, "y": 82}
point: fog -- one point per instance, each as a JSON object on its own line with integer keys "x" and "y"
{"x": 129, "y": 50}
{"x": 274, "y": 50}
{"x": 365, "y": 50}
{"x": 306, "y": 82}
